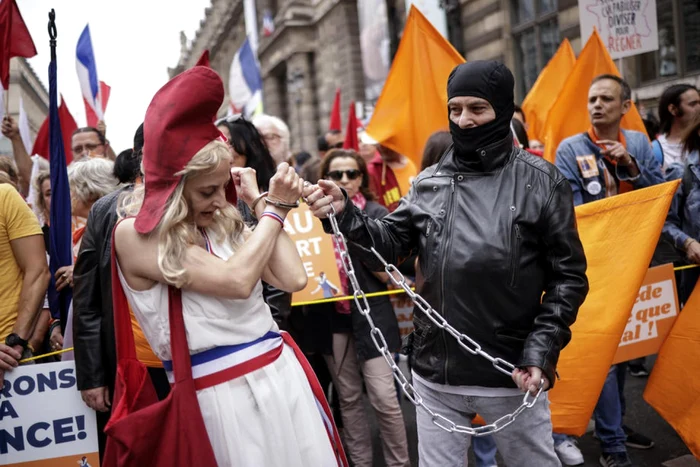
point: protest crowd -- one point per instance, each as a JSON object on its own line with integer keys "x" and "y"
{"x": 121, "y": 259}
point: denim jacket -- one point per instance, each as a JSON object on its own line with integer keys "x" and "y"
{"x": 580, "y": 145}
{"x": 683, "y": 219}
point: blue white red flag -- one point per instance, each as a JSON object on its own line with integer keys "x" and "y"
{"x": 95, "y": 92}
{"x": 268, "y": 24}
{"x": 245, "y": 83}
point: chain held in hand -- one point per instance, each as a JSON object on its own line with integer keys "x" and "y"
{"x": 466, "y": 342}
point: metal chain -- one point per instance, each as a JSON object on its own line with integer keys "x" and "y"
{"x": 465, "y": 341}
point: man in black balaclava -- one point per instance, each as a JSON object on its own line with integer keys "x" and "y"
{"x": 495, "y": 233}
{"x": 480, "y": 106}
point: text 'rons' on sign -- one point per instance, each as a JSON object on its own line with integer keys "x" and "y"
{"x": 43, "y": 420}
{"x": 652, "y": 317}
{"x": 316, "y": 250}
{"x": 627, "y": 27}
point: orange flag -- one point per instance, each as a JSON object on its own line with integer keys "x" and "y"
{"x": 546, "y": 89}
{"x": 617, "y": 265}
{"x": 413, "y": 103}
{"x": 569, "y": 114}
{"x": 674, "y": 385}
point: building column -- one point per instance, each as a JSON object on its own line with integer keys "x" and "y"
{"x": 301, "y": 103}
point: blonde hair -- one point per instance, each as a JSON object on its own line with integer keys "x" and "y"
{"x": 40, "y": 202}
{"x": 175, "y": 233}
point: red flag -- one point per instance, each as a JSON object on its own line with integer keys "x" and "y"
{"x": 68, "y": 126}
{"x": 351, "y": 140}
{"x": 15, "y": 40}
{"x": 203, "y": 59}
{"x": 90, "y": 114}
{"x": 336, "y": 124}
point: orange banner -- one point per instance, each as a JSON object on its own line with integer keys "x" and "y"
{"x": 674, "y": 384}
{"x": 619, "y": 235}
{"x": 544, "y": 92}
{"x": 316, "y": 250}
{"x": 413, "y": 103}
{"x": 652, "y": 316}
{"x": 569, "y": 114}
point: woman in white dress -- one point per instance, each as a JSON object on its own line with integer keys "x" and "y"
{"x": 188, "y": 234}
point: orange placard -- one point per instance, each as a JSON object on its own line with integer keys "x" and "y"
{"x": 652, "y": 316}
{"x": 316, "y": 250}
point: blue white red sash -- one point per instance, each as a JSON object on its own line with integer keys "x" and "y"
{"x": 221, "y": 364}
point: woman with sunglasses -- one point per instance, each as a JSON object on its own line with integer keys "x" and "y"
{"x": 354, "y": 359}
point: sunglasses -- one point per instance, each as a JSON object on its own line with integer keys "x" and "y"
{"x": 337, "y": 175}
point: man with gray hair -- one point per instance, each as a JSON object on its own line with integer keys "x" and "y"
{"x": 276, "y": 135}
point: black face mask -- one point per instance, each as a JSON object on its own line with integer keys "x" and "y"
{"x": 488, "y": 80}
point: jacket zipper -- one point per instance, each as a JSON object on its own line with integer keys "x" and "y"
{"x": 515, "y": 256}
{"x": 443, "y": 309}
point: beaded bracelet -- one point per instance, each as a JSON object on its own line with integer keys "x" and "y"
{"x": 274, "y": 216}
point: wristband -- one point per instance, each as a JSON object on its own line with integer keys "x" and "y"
{"x": 281, "y": 204}
{"x": 257, "y": 200}
{"x": 274, "y": 216}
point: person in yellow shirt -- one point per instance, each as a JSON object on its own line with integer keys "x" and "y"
{"x": 24, "y": 277}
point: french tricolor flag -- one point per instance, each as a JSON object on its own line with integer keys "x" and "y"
{"x": 95, "y": 92}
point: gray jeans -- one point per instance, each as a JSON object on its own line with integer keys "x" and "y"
{"x": 526, "y": 442}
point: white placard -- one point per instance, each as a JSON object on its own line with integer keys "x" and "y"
{"x": 627, "y": 27}
{"x": 43, "y": 418}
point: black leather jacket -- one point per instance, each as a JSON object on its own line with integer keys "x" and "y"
{"x": 93, "y": 322}
{"x": 490, "y": 244}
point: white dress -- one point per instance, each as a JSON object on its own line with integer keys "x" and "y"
{"x": 266, "y": 418}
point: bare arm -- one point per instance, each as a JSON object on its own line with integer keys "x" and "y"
{"x": 30, "y": 255}
{"x": 22, "y": 159}
{"x": 285, "y": 269}
{"x": 206, "y": 274}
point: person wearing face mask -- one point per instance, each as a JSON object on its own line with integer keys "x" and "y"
{"x": 502, "y": 262}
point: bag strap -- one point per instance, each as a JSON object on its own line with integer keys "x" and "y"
{"x": 124, "y": 334}
{"x": 179, "y": 349}
{"x": 658, "y": 151}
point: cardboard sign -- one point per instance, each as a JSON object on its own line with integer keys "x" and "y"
{"x": 626, "y": 27}
{"x": 652, "y": 316}
{"x": 316, "y": 250}
{"x": 43, "y": 420}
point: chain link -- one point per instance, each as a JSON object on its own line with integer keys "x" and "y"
{"x": 466, "y": 342}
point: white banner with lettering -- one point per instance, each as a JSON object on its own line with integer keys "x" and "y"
{"x": 627, "y": 27}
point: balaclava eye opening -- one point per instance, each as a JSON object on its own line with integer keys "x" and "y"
{"x": 489, "y": 80}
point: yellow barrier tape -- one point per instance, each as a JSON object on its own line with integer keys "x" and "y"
{"x": 349, "y": 297}
{"x": 313, "y": 302}
{"x": 690, "y": 266}
{"x": 398, "y": 291}
{"x": 37, "y": 357}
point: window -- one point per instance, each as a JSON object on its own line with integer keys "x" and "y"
{"x": 536, "y": 38}
{"x": 663, "y": 62}
{"x": 691, "y": 34}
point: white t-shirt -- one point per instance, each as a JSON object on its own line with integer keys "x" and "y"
{"x": 673, "y": 152}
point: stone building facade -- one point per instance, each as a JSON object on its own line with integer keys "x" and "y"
{"x": 25, "y": 83}
{"x": 315, "y": 48}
